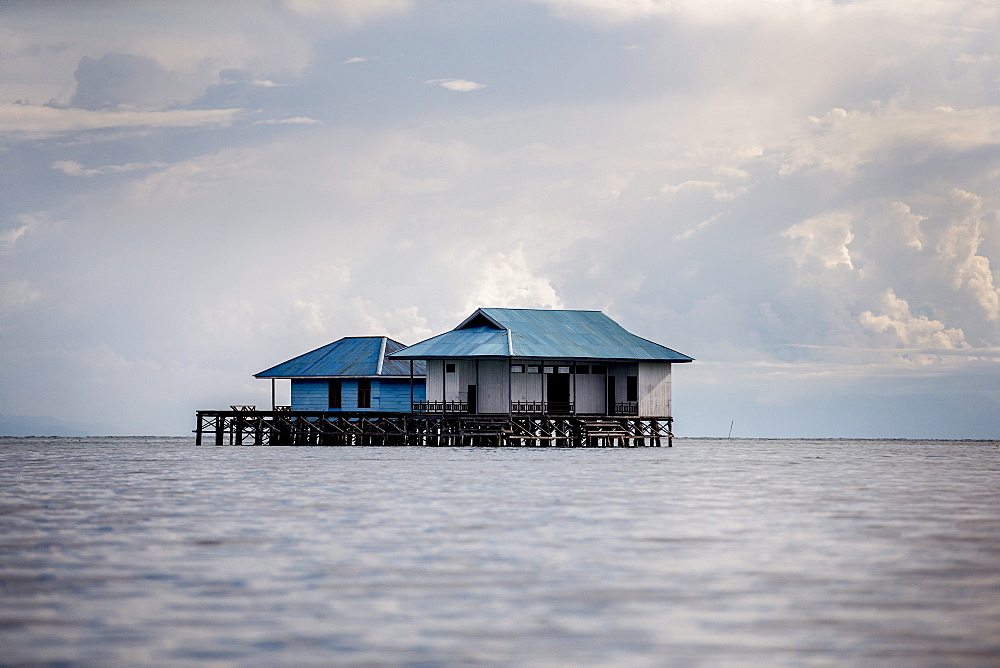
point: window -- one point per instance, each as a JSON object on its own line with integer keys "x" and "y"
{"x": 562, "y": 369}
{"x": 533, "y": 369}
{"x": 631, "y": 388}
{"x": 598, "y": 369}
{"x": 364, "y": 393}
{"x": 449, "y": 368}
{"x": 333, "y": 393}
{"x": 549, "y": 369}
{"x": 517, "y": 368}
{"x": 582, "y": 369}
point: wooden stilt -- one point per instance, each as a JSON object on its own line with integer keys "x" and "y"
{"x": 301, "y": 428}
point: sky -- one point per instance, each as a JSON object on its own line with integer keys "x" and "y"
{"x": 803, "y": 195}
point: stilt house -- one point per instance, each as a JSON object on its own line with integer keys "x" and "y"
{"x": 557, "y": 362}
{"x": 352, "y": 374}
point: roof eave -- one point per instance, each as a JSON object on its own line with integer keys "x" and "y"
{"x": 382, "y": 377}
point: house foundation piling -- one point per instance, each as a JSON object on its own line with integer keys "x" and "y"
{"x": 244, "y": 426}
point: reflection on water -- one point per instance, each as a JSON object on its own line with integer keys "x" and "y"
{"x": 714, "y": 552}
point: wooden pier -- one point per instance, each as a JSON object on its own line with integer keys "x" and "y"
{"x": 244, "y": 425}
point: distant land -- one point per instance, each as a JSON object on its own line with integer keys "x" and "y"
{"x": 43, "y": 425}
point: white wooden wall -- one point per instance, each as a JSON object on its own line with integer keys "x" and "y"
{"x": 457, "y": 383}
{"x": 654, "y": 389}
{"x": 591, "y": 393}
{"x": 492, "y": 390}
{"x": 588, "y": 391}
{"x": 526, "y": 387}
{"x": 620, "y": 372}
{"x": 434, "y": 378}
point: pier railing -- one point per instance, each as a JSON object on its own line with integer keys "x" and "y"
{"x": 440, "y": 407}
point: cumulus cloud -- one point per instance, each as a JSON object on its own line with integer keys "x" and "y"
{"x": 842, "y": 141}
{"x": 903, "y": 329}
{"x": 957, "y": 245}
{"x": 405, "y": 325}
{"x": 825, "y": 238}
{"x": 505, "y": 279}
{"x": 459, "y": 85}
{"x": 138, "y": 82}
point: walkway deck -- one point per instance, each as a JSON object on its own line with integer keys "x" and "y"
{"x": 246, "y": 426}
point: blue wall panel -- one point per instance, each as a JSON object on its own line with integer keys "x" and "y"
{"x": 387, "y": 395}
{"x": 310, "y": 395}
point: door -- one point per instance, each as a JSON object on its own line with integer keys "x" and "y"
{"x": 557, "y": 392}
{"x": 472, "y": 399}
{"x": 611, "y": 395}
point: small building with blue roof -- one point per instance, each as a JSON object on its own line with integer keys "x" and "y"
{"x": 531, "y": 361}
{"x": 352, "y": 374}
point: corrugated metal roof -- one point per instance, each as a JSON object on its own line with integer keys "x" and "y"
{"x": 350, "y": 356}
{"x": 472, "y": 342}
{"x": 494, "y": 332}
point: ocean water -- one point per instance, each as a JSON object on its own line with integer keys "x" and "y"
{"x": 145, "y": 551}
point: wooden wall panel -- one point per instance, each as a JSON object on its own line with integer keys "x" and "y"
{"x": 457, "y": 383}
{"x": 620, "y": 372}
{"x": 310, "y": 395}
{"x": 435, "y": 376}
{"x": 392, "y": 395}
{"x": 591, "y": 393}
{"x": 654, "y": 389}
{"x": 492, "y": 390}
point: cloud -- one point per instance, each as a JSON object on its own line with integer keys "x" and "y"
{"x": 691, "y": 231}
{"x": 359, "y": 59}
{"x": 73, "y": 168}
{"x": 957, "y": 245}
{"x": 297, "y": 120}
{"x": 614, "y": 10}
{"x": 16, "y": 295}
{"x": 351, "y": 13}
{"x": 825, "y": 238}
{"x": 188, "y": 42}
{"x": 405, "y": 325}
{"x": 505, "y": 280}
{"x": 906, "y": 330}
{"x": 33, "y": 121}
{"x": 460, "y": 85}
{"x": 717, "y": 189}
{"x": 29, "y": 224}
{"x": 843, "y": 141}
{"x": 138, "y": 82}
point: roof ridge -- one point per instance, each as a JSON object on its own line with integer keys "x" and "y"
{"x": 381, "y": 356}
{"x": 545, "y": 310}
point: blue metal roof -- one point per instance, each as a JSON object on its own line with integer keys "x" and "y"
{"x": 351, "y": 356}
{"x": 497, "y": 332}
